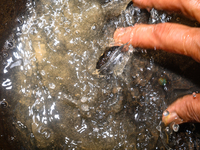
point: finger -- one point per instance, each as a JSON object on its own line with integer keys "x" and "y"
{"x": 166, "y": 36}
{"x": 187, "y": 7}
{"x": 172, "y": 117}
{"x": 187, "y": 108}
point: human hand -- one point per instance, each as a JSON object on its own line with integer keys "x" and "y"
{"x": 185, "y": 109}
{"x": 170, "y": 37}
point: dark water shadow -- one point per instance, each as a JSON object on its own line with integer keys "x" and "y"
{"x": 10, "y": 10}
{"x": 181, "y": 65}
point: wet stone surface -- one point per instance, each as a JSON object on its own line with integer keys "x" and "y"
{"x": 50, "y": 98}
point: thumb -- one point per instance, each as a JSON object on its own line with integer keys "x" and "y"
{"x": 185, "y": 109}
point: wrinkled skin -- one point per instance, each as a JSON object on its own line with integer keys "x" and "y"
{"x": 173, "y": 38}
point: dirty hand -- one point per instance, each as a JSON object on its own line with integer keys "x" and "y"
{"x": 170, "y": 37}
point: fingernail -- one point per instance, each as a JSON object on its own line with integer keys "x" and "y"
{"x": 119, "y": 33}
{"x": 166, "y": 113}
{"x": 172, "y": 117}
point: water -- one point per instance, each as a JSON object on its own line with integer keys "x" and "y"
{"x": 52, "y": 100}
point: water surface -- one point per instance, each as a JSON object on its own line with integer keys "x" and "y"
{"x": 51, "y": 98}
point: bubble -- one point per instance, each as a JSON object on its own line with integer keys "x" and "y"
{"x": 20, "y": 21}
{"x": 46, "y": 132}
{"x": 18, "y": 33}
{"x": 43, "y": 72}
{"x": 43, "y": 135}
{"x": 5, "y": 55}
{"x": 52, "y": 86}
{"x": 32, "y": 135}
{"x": 4, "y": 63}
{"x": 194, "y": 95}
{"x": 93, "y": 27}
{"x": 4, "y": 104}
{"x": 84, "y": 99}
{"x": 10, "y": 44}
{"x": 196, "y": 24}
{"x": 178, "y": 19}
{"x": 12, "y": 138}
{"x": 85, "y": 107}
{"x": 167, "y": 129}
{"x": 175, "y": 127}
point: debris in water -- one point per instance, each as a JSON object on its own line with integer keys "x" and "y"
{"x": 162, "y": 81}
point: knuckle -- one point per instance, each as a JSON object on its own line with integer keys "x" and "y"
{"x": 192, "y": 110}
{"x": 197, "y": 47}
{"x": 160, "y": 30}
{"x": 192, "y": 43}
{"x": 189, "y": 111}
{"x": 135, "y": 33}
{"x": 160, "y": 34}
{"x": 185, "y": 40}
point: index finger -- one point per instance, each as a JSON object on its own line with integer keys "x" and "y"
{"x": 170, "y": 37}
{"x": 187, "y": 7}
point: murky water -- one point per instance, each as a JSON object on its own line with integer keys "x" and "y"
{"x": 51, "y": 98}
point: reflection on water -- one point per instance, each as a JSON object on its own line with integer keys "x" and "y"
{"x": 52, "y": 100}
